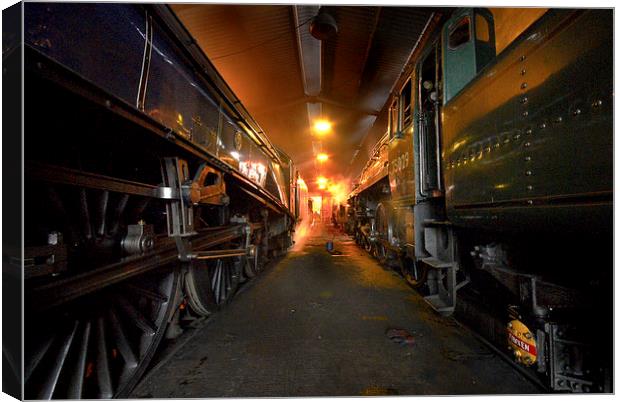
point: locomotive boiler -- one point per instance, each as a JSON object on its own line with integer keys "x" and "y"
{"x": 492, "y": 189}
{"x": 150, "y": 193}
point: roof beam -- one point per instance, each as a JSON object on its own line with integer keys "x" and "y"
{"x": 309, "y": 50}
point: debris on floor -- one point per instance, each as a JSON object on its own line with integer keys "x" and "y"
{"x": 401, "y": 336}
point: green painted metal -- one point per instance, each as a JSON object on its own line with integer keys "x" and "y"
{"x": 529, "y": 141}
{"x": 463, "y": 62}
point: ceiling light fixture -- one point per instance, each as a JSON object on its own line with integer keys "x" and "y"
{"x": 322, "y": 126}
{"x": 323, "y": 25}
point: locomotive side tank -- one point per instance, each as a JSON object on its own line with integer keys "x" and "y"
{"x": 526, "y": 143}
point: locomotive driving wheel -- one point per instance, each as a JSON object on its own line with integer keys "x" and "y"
{"x": 210, "y": 284}
{"x": 414, "y": 272}
{"x": 97, "y": 341}
{"x": 99, "y": 345}
{"x": 383, "y": 231}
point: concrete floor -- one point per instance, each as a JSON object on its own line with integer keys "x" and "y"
{"x": 314, "y": 325}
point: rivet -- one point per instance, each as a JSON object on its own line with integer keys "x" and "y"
{"x": 530, "y": 188}
{"x": 524, "y": 99}
{"x": 524, "y": 85}
{"x": 523, "y": 72}
{"x": 528, "y": 131}
{"x": 523, "y": 58}
{"x": 488, "y": 149}
{"x": 543, "y": 126}
{"x": 506, "y": 140}
{"x": 576, "y": 112}
{"x": 108, "y": 103}
{"x": 597, "y": 103}
{"x": 528, "y": 172}
{"x": 516, "y": 137}
{"x": 527, "y": 144}
{"x": 497, "y": 145}
{"x": 525, "y": 113}
{"x": 528, "y": 158}
{"x": 558, "y": 119}
{"x": 530, "y": 202}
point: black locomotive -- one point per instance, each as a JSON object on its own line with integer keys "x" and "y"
{"x": 492, "y": 188}
{"x": 150, "y": 193}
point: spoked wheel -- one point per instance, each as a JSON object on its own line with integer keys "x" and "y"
{"x": 358, "y": 237}
{"x": 367, "y": 244}
{"x": 380, "y": 251}
{"x": 224, "y": 279}
{"x": 249, "y": 265}
{"x": 413, "y": 272}
{"x": 211, "y": 283}
{"x": 383, "y": 230}
{"x": 100, "y": 344}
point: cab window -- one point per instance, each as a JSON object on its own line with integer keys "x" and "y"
{"x": 459, "y": 34}
{"x": 483, "y": 33}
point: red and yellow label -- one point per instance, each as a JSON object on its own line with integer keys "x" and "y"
{"x": 522, "y": 342}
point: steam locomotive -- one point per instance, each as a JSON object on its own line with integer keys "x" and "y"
{"x": 150, "y": 193}
{"x": 492, "y": 189}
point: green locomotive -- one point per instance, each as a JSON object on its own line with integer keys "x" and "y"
{"x": 497, "y": 201}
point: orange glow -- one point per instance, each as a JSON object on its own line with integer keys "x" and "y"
{"x": 322, "y": 126}
{"x": 322, "y": 157}
{"x": 338, "y": 192}
{"x": 302, "y": 184}
{"x": 317, "y": 204}
{"x": 321, "y": 182}
{"x": 302, "y": 232}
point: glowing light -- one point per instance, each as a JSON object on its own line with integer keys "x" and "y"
{"x": 322, "y": 126}
{"x": 321, "y": 182}
{"x": 302, "y": 184}
{"x": 255, "y": 171}
{"x": 338, "y": 192}
{"x": 235, "y": 155}
{"x": 322, "y": 157}
{"x": 317, "y": 204}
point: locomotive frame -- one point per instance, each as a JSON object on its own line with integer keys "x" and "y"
{"x": 497, "y": 166}
{"x": 150, "y": 194}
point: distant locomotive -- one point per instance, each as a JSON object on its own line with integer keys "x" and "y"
{"x": 493, "y": 185}
{"x": 150, "y": 193}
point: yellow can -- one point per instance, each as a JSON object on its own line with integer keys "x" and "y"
{"x": 522, "y": 342}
